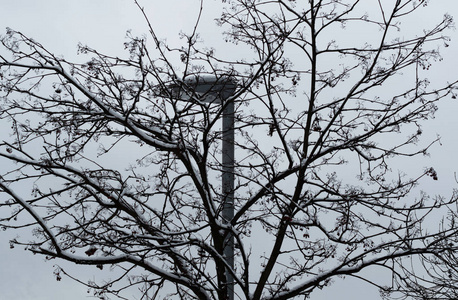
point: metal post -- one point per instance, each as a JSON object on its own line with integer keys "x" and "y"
{"x": 217, "y": 90}
{"x": 228, "y": 190}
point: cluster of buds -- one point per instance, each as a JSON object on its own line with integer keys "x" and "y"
{"x": 432, "y": 173}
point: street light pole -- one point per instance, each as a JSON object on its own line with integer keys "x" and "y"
{"x": 214, "y": 89}
{"x": 228, "y": 189}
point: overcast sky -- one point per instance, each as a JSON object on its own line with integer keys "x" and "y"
{"x": 61, "y": 24}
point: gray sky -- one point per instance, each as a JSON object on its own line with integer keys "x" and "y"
{"x": 61, "y": 24}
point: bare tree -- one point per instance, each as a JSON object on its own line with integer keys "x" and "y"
{"x": 111, "y": 166}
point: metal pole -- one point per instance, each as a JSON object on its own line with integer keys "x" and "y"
{"x": 228, "y": 190}
{"x": 214, "y": 89}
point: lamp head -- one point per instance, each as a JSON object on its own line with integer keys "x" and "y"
{"x": 205, "y": 88}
